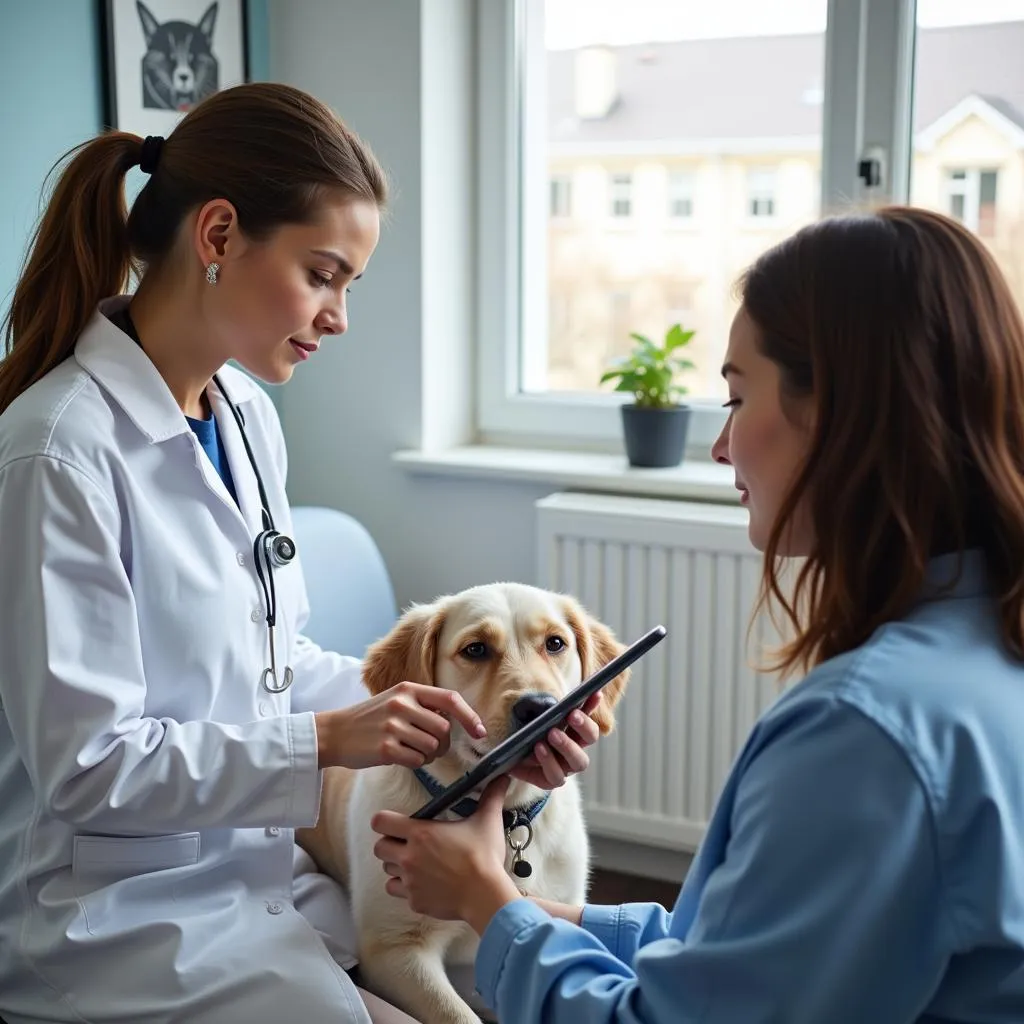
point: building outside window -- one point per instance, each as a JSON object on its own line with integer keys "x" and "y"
{"x": 635, "y": 124}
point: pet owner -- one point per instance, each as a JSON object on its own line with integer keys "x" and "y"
{"x": 865, "y": 861}
{"x": 163, "y": 721}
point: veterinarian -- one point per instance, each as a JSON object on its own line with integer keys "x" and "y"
{"x": 865, "y": 862}
{"x": 164, "y": 722}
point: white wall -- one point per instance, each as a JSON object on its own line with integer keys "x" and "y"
{"x": 362, "y": 397}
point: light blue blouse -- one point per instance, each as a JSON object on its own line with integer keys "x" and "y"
{"x": 864, "y": 865}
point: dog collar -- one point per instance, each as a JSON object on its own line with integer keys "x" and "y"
{"x": 511, "y": 818}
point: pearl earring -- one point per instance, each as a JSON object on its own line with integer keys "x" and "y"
{"x": 211, "y": 272}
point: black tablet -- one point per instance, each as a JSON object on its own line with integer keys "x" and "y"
{"x": 507, "y": 754}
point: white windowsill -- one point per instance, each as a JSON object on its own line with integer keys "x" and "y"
{"x": 693, "y": 479}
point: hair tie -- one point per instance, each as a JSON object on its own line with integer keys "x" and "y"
{"x": 150, "y": 155}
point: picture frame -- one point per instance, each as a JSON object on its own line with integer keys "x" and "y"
{"x": 164, "y": 56}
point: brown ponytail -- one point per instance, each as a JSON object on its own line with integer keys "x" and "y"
{"x": 79, "y": 254}
{"x": 271, "y": 150}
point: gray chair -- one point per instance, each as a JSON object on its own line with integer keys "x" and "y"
{"x": 351, "y": 599}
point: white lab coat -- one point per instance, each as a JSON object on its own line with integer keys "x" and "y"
{"x": 149, "y": 787}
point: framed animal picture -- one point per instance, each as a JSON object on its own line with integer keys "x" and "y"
{"x": 164, "y": 56}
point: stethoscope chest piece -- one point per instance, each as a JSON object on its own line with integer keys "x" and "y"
{"x": 269, "y": 677}
{"x": 281, "y": 549}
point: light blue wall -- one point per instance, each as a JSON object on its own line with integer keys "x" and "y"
{"x": 50, "y": 52}
{"x": 52, "y": 100}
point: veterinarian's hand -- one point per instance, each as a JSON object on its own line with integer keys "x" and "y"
{"x": 407, "y": 724}
{"x": 454, "y": 871}
{"x": 563, "y": 755}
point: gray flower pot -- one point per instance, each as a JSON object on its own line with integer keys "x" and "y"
{"x": 655, "y": 438}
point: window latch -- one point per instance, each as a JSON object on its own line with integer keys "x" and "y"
{"x": 870, "y": 172}
{"x": 871, "y": 166}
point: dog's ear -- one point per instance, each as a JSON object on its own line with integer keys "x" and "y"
{"x": 206, "y": 23}
{"x": 407, "y": 652}
{"x": 150, "y": 26}
{"x": 597, "y": 645}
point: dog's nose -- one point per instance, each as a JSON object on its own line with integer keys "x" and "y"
{"x": 531, "y": 706}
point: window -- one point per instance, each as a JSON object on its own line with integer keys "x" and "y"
{"x": 680, "y": 302}
{"x": 972, "y": 199}
{"x": 561, "y": 197}
{"x": 680, "y": 195}
{"x": 622, "y": 195}
{"x": 761, "y": 192}
{"x": 958, "y": 194}
{"x": 987, "y": 180}
{"x": 638, "y": 105}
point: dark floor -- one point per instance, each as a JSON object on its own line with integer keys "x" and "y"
{"x": 613, "y": 887}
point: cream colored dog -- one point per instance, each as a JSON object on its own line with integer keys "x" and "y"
{"x": 511, "y": 650}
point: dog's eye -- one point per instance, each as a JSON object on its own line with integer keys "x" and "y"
{"x": 475, "y": 651}
{"x": 554, "y": 644}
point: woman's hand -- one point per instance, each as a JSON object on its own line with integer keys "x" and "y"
{"x": 563, "y": 755}
{"x": 449, "y": 870}
{"x": 408, "y": 724}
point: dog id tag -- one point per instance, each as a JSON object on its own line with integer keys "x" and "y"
{"x": 521, "y": 867}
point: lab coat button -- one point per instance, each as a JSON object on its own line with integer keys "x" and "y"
{"x": 241, "y": 557}
{"x": 264, "y": 708}
{"x": 274, "y": 908}
{"x": 257, "y": 614}
{"x": 273, "y": 830}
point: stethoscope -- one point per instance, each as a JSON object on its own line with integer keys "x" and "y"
{"x": 270, "y": 550}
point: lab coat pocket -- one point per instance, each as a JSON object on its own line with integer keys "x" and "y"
{"x": 130, "y": 880}
{"x": 110, "y": 857}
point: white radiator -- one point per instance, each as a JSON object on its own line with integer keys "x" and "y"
{"x": 634, "y": 563}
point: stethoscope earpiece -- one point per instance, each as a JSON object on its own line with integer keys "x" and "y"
{"x": 270, "y": 550}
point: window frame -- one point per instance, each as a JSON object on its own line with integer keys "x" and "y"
{"x": 762, "y": 187}
{"x": 868, "y": 75}
{"x": 680, "y": 187}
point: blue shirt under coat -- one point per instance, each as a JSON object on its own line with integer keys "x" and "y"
{"x": 208, "y": 434}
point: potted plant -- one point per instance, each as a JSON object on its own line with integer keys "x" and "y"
{"x": 655, "y": 422}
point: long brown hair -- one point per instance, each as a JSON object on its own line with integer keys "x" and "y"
{"x": 273, "y": 151}
{"x": 902, "y": 329}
